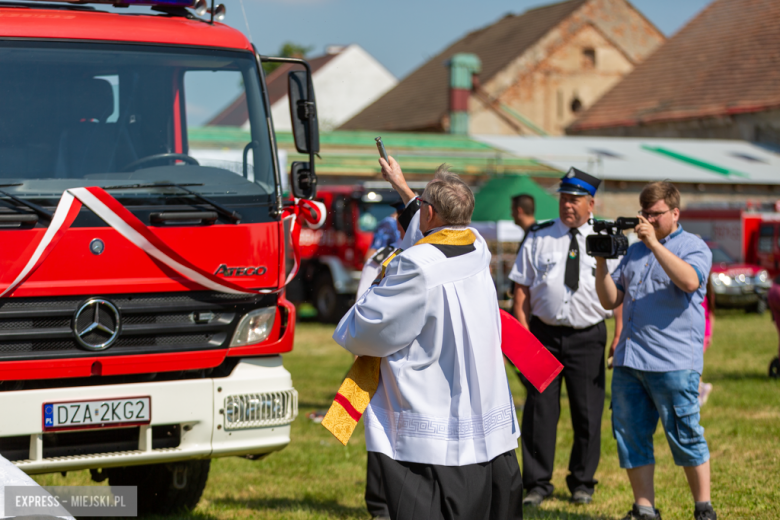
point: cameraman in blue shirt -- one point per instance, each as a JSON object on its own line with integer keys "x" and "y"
{"x": 661, "y": 282}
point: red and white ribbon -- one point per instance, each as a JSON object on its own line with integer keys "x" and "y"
{"x": 126, "y": 224}
{"x": 314, "y": 213}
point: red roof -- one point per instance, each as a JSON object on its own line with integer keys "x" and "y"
{"x": 725, "y": 61}
{"x": 236, "y": 114}
{"x": 38, "y": 22}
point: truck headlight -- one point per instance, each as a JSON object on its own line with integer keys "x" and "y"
{"x": 715, "y": 279}
{"x": 725, "y": 279}
{"x": 762, "y": 277}
{"x": 254, "y": 327}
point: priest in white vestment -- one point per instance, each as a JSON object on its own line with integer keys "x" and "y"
{"x": 442, "y": 419}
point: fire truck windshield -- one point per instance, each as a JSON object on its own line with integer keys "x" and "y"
{"x": 95, "y": 114}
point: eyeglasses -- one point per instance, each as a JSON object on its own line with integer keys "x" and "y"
{"x": 652, "y": 215}
{"x": 423, "y": 201}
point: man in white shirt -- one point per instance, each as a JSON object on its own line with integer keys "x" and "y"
{"x": 442, "y": 419}
{"x": 555, "y": 298}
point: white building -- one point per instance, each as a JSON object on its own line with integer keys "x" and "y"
{"x": 346, "y": 80}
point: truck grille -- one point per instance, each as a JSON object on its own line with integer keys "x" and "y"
{"x": 43, "y": 327}
{"x": 260, "y": 410}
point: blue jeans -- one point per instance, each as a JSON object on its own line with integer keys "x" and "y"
{"x": 640, "y": 398}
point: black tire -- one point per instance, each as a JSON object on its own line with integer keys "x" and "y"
{"x": 759, "y": 307}
{"x": 330, "y": 305}
{"x": 774, "y": 368}
{"x": 158, "y": 491}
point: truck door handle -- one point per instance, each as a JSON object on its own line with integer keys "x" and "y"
{"x": 184, "y": 217}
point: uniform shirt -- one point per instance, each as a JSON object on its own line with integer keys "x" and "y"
{"x": 663, "y": 326}
{"x": 541, "y": 265}
{"x": 443, "y": 395}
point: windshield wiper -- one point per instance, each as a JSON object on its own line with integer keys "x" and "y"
{"x": 41, "y": 212}
{"x": 233, "y": 216}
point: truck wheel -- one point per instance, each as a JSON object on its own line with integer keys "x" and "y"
{"x": 759, "y": 307}
{"x": 330, "y": 305}
{"x": 164, "y": 488}
{"x": 774, "y": 369}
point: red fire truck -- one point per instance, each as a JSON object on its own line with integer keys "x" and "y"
{"x": 745, "y": 244}
{"x": 332, "y": 257}
{"x": 142, "y": 307}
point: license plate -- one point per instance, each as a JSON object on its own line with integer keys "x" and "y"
{"x": 100, "y": 413}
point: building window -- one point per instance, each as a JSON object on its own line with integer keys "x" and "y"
{"x": 589, "y": 58}
{"x": 576, "y": 104}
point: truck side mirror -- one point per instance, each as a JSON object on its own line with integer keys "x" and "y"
{"x": 303, "y": 180}
{"x": 303, "y": 113}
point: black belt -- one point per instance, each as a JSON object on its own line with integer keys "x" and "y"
{"x": 566, "y": 328}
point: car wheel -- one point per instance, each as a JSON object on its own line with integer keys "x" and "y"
{"x": 774, "y": 368}
{"x": 759, "y": 307}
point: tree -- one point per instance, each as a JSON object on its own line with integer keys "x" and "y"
{"x": 288, "y": 50}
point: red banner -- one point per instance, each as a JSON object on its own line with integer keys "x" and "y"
{"x": 527, "y": 354}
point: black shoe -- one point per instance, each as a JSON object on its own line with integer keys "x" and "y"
{"x": 634, "y": 515}
{"x": 705, "y": 514}
{"x": 774, "y": 368}
{"x": 534, "y": 498}
{"x": 581, "y": 497}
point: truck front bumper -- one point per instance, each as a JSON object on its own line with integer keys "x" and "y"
{"x": 739, "y": 296}
{"x": 246, "y": 413}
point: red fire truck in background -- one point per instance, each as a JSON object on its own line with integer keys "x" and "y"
{"x": 745, "y": 244}
{"x": 142, "y": 313}
{"x": 332, "y": 256}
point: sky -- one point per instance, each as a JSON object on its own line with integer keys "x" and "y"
{"x": 401, "y": 34}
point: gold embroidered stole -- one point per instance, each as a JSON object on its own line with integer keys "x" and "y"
{"x": 363, "y": 378}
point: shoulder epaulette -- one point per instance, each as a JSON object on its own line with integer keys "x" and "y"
{"x": 386, "y": 262}
{"x": 382, "y": 254}
{"x": 541, "y": 225}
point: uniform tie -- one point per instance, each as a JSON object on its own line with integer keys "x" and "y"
{"x": 572, "y": 277}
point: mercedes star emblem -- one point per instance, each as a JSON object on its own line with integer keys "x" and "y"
{"x": 96, "y": 246}
{"x": 96, "y": 324}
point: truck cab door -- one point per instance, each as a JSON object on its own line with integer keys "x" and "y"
{"x": 767, "y": 250}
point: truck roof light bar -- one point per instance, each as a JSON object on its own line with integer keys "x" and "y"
{"x": 161, "y": 3}
{"x": 126, "y": 3}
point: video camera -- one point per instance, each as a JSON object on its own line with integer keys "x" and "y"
{"x": 613, "y": 244}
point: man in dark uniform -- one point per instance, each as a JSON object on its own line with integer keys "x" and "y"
{"x": 555, "y": 298}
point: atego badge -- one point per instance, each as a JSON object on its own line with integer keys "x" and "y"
{"x": 224, "y": 270}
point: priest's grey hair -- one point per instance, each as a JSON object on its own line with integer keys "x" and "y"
{"x": 452, "y": 198}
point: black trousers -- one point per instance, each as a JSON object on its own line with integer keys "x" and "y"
{"x": 376, "y": 503}
{"x": 581, "y": 351}
{"x": 486, "y": 491}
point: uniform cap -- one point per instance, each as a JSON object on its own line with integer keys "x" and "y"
{"x": 577, "y": 182}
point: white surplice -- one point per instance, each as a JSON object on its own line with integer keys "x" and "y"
{"x": 443, "y": 395}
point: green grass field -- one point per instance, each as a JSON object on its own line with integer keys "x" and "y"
{"x": 316, "y": 477}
